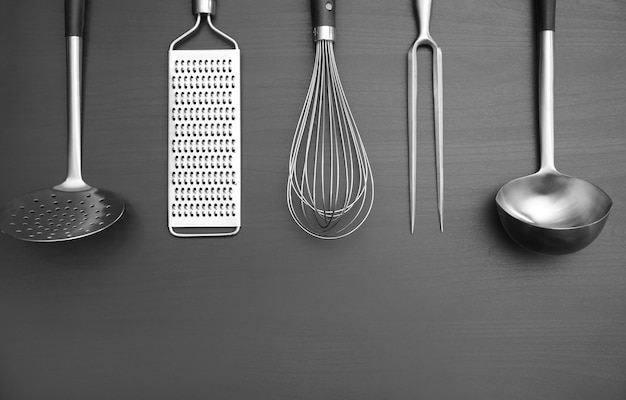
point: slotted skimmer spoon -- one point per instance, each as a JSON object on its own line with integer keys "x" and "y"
{"x": 425, "y": 39}
{"x": 72, "y": 209}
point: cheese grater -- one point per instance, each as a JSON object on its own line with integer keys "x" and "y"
{"x": 204, "y": 188}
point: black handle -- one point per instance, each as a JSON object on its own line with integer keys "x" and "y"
{"x": 323, "y": 12}
{"x": 546, "y": 10}
{"x": 74, "y": 17}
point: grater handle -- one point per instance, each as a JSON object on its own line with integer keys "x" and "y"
{"x": 546, "y": 14}
{"x": 203, "y": 7}
{"x": 74, "y": 17}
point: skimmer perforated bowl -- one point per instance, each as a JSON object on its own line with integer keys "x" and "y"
{"x": 52, "y": 215}
{"x": 204, "y": 160}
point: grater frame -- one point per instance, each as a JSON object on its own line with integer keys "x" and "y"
{"x": 204, "y": 138}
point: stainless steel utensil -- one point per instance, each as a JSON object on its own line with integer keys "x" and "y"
{"x": 425, "y": 39}
{"x": 330, "y": 189}
{"x": 72, "y": 209}
{"x": 204, "y": 187}
{"x": 549, "y": 212}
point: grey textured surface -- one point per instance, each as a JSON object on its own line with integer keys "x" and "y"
{"x": 273, "y": 314}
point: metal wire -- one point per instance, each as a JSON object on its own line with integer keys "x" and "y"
{"x": 330, "y": 189}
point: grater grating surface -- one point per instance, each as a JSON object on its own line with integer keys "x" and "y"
{"x": 204, "y": 189}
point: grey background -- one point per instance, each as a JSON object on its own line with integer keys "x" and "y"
{"x": 272, "y": 313}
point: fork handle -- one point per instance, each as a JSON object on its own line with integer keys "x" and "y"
{"x": 424, "y": 8}
{"x": 546, "y": 10}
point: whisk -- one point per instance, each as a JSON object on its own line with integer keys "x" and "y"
{"x": 330, "y": 189}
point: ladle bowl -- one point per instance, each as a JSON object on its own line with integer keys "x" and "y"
{"x": 552, "y": 213}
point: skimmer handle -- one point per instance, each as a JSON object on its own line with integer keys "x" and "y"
{"x": 74, "y": 27}
{"x": 74, "y": 17}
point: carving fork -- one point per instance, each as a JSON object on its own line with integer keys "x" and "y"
{"x": 424, "y": 39}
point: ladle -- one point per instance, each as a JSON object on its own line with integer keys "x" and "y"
{"x": 549, "y": 212}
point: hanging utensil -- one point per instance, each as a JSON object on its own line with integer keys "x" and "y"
{"x": 425, "y": 39}
{"x": 204, "y": 187}
{"x": 549, "y": 212}
{"x": 72, "y": 209}
{"x": 330, "y": 189}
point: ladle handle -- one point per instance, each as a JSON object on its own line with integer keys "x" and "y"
{"x": 545, "y": 24}
{"x": 546, "y": 10}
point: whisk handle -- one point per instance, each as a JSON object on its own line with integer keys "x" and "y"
{"x": 323, "y": 12}
{"x": 546, "y": 10}
{"x": 74, "y": 17}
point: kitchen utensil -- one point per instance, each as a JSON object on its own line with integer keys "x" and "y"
{"x": 549, "y": 212}
{"x": 72, "y": 209}
{"x": 204, "y": 189}
{"x": 425, "y": 39}
{"x": 330, "y": 189}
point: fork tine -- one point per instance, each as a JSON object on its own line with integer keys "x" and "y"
{"x": 438, "y": 104}
{"x": 412, "y": 104}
